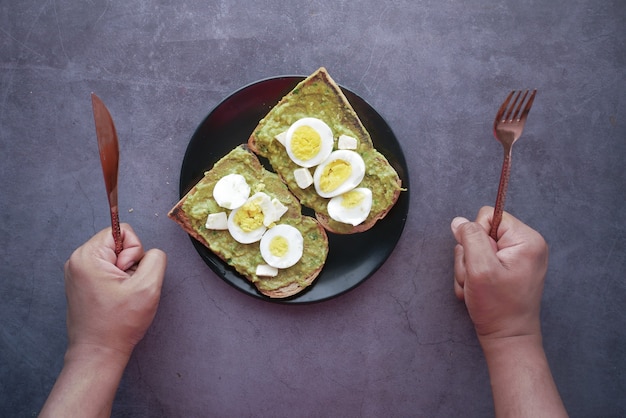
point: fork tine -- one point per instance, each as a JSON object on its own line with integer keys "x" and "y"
{"x": 528, "y": 106}
{"x": 504, "y": 106}
{"x": 510, "y": 112}
{"x": 519, "y": 107}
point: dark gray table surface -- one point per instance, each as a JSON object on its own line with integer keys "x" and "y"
{"x": 400, "y": 344}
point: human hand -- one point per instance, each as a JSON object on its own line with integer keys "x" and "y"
{"x": 112, "y": 300}
{"x": 501, "y": 282}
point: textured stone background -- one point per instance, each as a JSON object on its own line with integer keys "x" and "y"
{"x": 398, "y": 345}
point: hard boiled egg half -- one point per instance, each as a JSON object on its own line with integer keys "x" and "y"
{"x": 248, "y": 223}
{"x": 341, "y": 172}
{"x": 352, "y": 207}
{"x": 308, "y": 142}
{"x": 231, "y": 191}
{"x": 282, "y": 246}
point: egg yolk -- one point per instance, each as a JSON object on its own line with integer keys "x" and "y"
{"x": 352, "y": 199}
{"x": 249, "y": 217}
{"x": 305, "y": 143}
{"x": 279, "y": 246}
{"x": 334, "y": 174}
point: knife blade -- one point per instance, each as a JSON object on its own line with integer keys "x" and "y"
{"x": 109, "y": 158}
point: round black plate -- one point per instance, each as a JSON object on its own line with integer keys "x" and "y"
{"x": 351, "y": 258}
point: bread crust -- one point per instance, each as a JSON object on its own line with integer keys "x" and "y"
{"x": 355, "y": 125}
{"x": 185, "y": 221}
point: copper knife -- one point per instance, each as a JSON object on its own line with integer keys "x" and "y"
{"x": 109, "y": 158}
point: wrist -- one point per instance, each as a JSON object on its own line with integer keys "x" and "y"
{"x": 493, "y": 346}
{"x": 97, "y": 356}
{"x": 87, "y": 383}
{"x": 523, "y": 329}
{"x": 520, "y": 377}
{"x": 514, "y": 356}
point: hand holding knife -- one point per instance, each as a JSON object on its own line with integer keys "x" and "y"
{"x": 109, "y": 158}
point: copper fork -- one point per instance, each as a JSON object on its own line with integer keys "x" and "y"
{"x": 507, "y": 128}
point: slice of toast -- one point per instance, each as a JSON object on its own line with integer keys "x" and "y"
{"x": 192, "y": 210}
{"x": 320, "y": 97}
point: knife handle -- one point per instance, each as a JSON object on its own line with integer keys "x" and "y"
{"x": 117, "y": 234}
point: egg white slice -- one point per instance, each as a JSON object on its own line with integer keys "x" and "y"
{"x": 347, "y": 142}
{"x": 342, "y": 171}
{"x": 303, "y": 177}
{"x": 246, "y": 223}
{"x": 265, "y": 270}
{"x": 217, "y": 221}
{"x": 231, "y": 191}
{"x": 281, "y": 137}
{"x": 309, "y": 141}
{"x": 282, "y": 246}
{"x": 352, "y": 207}
{"x": 273, "y": 211}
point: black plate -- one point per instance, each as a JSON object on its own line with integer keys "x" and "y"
{"x": 351, "y": 258}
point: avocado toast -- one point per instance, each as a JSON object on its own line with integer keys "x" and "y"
{"x": 318, "y": 96}
{"x": 192, "y": 210}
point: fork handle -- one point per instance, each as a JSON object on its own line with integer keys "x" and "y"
{"x": 502, "y": 186}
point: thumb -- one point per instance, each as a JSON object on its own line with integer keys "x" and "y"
{"x": 456, "y": 224}
{"x": 152, "y": 267}
{"x": 478, "y": 251}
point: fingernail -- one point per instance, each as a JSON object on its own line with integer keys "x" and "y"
{"x": 458, "y": 221}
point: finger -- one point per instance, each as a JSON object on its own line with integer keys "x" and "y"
{"x": 456, "y": 223}
{"x": 100, "y": 248}
{"x": 98, "y": 251}
{"x": 459, "y": 272}
{"x": 508, "y": 230}
{"x": 102, "y": 240}
{"x": 132, "y": 249}
{"x": 129, "y": 237}
{"x": 485, "y": 217}
{"x": 459, "y": 263}
{"x": 152, "y": 267}
{"x": 459, "y": 292}
{"x": 478, "y": 253}
{"x": 519, "y": 241}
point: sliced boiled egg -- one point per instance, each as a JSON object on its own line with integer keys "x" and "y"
{"x": 352, "y": 207}
{"x": 231, "y": 191}
{"x": 282, "y": 246}
{"x": 309, "y": 141}
{"x": 342, "y": 171}
{"x": 249, "y": 222}
{"x": 245, "y": 223}
{"x": 274, "y": 212}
